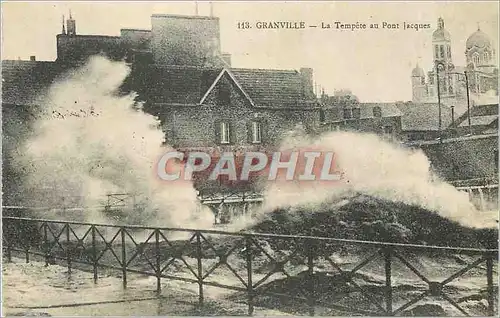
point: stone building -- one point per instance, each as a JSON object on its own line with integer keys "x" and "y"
{"x": 181, "y": 75}
{"x": 343, "y": 111}
{"x": 481, "y": 70}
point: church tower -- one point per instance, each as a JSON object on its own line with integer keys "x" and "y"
{"x": 441, "y": 44}
{"x": 419, "y": 88}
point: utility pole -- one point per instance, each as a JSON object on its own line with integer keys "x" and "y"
{"x": 468, "y": 101}
{"x": 439, "y": 96}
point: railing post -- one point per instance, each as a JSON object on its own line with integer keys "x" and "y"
{"x": 124, "y": 259}
{"x": 310, "y": 246}
{"x": 157, "y": 254}
{"x": 68, "y": 255}
{"x": 8, "y": 240}
{"x": 94, "y": 254}
{"x": 248, "y": 248}
{"x": 199, "y": 257}
{"x": 388, "y": 281}
{"x": 9, "y": 252}
{"x": 489, "y": 278}
{"x": 46, "y": 250}
{"x": 27, "y": 245}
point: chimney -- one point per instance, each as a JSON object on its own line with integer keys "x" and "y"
{"x": 307, "y": 81}
{"x": 32, "y": 58}
{"x": 227, "y": 58}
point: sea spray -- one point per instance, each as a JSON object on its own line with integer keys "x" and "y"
{"x": 374, "y": 167}
{"x": 90, "y": 142}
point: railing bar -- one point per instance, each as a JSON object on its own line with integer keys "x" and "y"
{"x": 411, "y": 302}
{"x": 236, "y": 274}
{"x": 463, "y": 270}
{"x": 454, "y": 304}
{"x": 264, "y": 235}
{"x": 411, "y": 267}
{"x": 365, "y": 261}
{"x": 172, "y": 260}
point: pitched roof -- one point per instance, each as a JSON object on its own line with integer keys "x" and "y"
{"x": 480, "y": 120}
{"x": 388, "y": 109}
{"x": 424, "y": 117}
{"x": 366, "y": 110}
{"x": 173, "y": 84}
{"x": 274, "y": 88}
{"x": 23, "y": 81}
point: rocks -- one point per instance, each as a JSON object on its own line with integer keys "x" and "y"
{"x": 367, "y": 218}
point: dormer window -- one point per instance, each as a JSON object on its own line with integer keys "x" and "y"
{"x": 377, "y": 112}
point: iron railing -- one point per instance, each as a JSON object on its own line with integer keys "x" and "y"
{"x": 310, "y": 271}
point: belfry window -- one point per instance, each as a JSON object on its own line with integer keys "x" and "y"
{"x": 442, "y": 51}
{"x": 486, "y": 57}
{"x": 475, "y": 59}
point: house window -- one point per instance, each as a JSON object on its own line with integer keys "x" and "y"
{"x": 356, "y": 113}
{"x": 321, "y": 115}
{"x": 347, "y": 113}
{"x": 377, "y": 111}
{"x": 256, "y": 132}
{"x": 224, "y": 133}
{"x": 388, "y": 130}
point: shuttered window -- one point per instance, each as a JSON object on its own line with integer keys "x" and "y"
{"x": 256, "y": 132}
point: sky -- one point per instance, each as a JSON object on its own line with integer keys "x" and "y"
{"x": 374, "y": 64}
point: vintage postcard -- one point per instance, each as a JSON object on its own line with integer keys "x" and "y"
{"x": 308, "y": 158}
